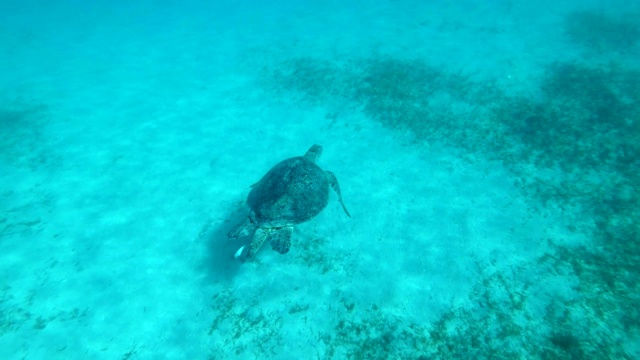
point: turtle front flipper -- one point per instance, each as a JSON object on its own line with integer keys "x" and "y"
{"x": 281, "y": 239}
{"x": 333, "y": 181}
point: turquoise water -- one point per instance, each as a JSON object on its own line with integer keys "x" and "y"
{"x": 488, "y": 153}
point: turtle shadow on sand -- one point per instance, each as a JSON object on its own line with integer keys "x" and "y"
{"x": 219, "y": 263}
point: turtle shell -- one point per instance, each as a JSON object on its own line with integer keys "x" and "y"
{"x": 292, "y": 192}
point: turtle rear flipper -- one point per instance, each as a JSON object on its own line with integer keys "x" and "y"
{"x": 281, "y": 239}
{"x": 333, "y": 181}
{"x": 258, "y": 239}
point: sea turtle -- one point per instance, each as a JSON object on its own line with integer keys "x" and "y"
{"x": 292, "y": 192}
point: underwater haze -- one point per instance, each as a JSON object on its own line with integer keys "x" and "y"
{"x": 488, "y": 153}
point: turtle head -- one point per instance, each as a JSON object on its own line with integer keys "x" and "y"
{"x": 313, "y": 153}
